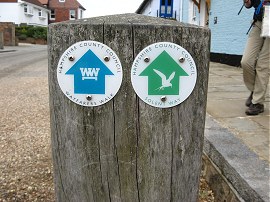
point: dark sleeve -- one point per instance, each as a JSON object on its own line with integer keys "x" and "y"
{"x": 255, "y": 3}
{"x": 257, "y": 16}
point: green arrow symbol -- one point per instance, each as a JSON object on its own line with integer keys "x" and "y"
{"x": 163, "y": 75}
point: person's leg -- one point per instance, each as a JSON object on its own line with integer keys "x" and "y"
{"x": 262, "y": 73}
{"x": 261, "y": 80}
{"x": 252, "y": 49}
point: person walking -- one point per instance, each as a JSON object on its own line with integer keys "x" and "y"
{"x": 256, "y": 61}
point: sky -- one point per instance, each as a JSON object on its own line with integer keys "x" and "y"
{"x": 108, "y": 7}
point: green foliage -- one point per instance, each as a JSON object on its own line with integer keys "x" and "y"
{"x": 22, "y": 37}
{"x": 31, "y": 31}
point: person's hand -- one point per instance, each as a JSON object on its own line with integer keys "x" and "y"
{"x": 247, "y": 3}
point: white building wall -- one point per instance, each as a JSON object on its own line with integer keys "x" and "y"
{"x": 151, "y": 8}
{"x": 80, "y": 13}
{"x": 228, "y": 30}
{"x": 181, "y": 13}
{"x": 176, "y": 10}
{"x": 203, "y": 13}
{"x": 185, "y": 11}
{"x": 18, "y": 16}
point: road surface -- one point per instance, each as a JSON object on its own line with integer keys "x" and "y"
{"x": 25, "y": 58}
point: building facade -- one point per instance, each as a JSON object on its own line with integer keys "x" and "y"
{"x": 182, "y": 10}
{"x": 63, "y": 10}
{"x": 30, "y": 12}
{"x": 39, "y": 12}
{"x": 228, "y": 29}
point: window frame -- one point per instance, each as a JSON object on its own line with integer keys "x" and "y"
{"x": 166, "y": 9}
{"x": 40, "y": 13}
{"x": 28, "y": 10}
{"x": 71, "y": 17}
{"x": 25, "y": 8}
{"x": 52, "y": 13}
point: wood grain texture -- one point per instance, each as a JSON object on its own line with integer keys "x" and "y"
{"x": 126, "y": 150}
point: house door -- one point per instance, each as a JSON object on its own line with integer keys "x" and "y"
{"x": 166, "y": 8}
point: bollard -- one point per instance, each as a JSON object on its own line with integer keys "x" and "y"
{"x": 1, "y": 40}
{"x": 127, "y": 150}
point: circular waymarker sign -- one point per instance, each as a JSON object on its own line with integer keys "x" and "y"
{"x": 89, "y": 73}
{"x": 163, "y": 74}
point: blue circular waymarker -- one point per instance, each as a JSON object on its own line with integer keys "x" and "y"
{"x": 89, "y": 73}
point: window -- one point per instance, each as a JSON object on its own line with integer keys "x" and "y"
{"x": 162, "y": 6}
{"x": 39, "y": 12}
{"x": 52, "y": 17}
{"x": 41, "y": 15}
{"x": 28, "y": 10}
{"x": 169, "y": 7}
{"x": 25, "y": 8}
{"x": 72, "y": 14}
{"x": 194, "y": 12}
{"x": 166, "y": 8}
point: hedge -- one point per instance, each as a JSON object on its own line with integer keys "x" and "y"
{"x": 31, "y": 31}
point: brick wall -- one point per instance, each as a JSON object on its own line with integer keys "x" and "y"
{"x": 9, "y": 1}
{"x": 62, "y": 14}
{"x": 8, "y": 29}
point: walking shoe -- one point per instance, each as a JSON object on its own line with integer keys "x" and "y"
{"x": 255, "y": 109}
{"x": 248, "y": 101}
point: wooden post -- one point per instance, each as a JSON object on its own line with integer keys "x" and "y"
{"x": 126, "y": 150}
{"x": 1, "y": 40}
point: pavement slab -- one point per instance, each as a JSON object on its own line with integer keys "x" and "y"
{"x": 226, "y": 103}
{"x": 236, "y": 143}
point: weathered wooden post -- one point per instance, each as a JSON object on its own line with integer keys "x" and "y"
{"x": 126, "y": 150}
{"x": 1, "y": 40}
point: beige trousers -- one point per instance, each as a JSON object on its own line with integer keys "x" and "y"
{"x": 256, "y": 64}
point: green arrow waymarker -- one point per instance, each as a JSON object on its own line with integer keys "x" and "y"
{"x": 160, "y": 78}
{"x": 163, "y": 75}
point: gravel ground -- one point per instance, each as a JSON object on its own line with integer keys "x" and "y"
{"x": 25, "y": 161}
{"x": 25, "y": 158}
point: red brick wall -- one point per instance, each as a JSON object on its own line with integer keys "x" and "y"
{"x": 8, "y": 29}
{"x": 4, "y": 1}
{"x": 62, "y": 9}
{"x": 62, "y": 14}
{"x": 66, "y": 4}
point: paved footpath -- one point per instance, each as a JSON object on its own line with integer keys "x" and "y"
{"x": 238, "y": 144}
{"x": 226, "y": 103}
